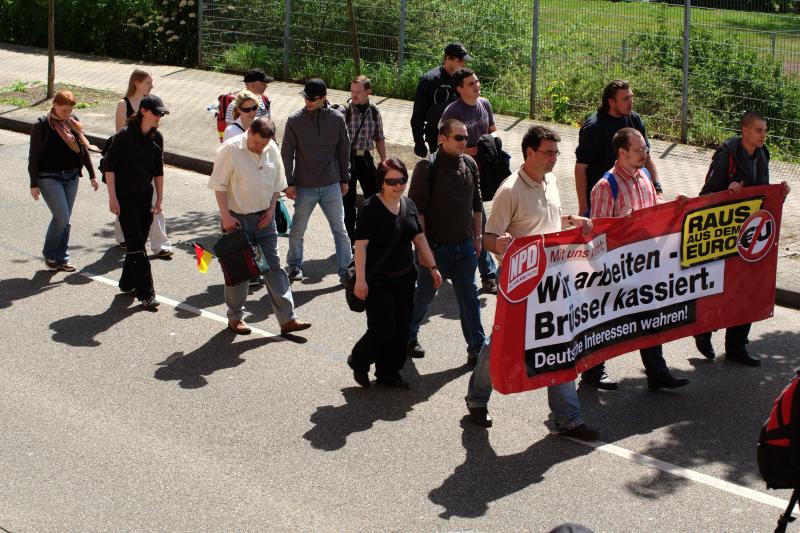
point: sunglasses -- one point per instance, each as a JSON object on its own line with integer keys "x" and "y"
{"x": 249, "y": 109}
{"x": 459, "y": 138}
{"x": 391, "y": 182}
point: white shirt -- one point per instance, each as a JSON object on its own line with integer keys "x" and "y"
{"x": 249, "y": 179}
{"x": 232, "y": 130}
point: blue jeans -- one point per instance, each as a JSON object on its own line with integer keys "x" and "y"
{"x": 329, "y": 199}
{"x": 276, "y": 280}
{"x": 486, "y": 264}
{"x": 59, "y": 195}
{"x": 563, "y": 399}
{"x": 457, "y": 262}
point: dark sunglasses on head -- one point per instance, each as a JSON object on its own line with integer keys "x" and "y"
{"x": 249, "y": 109}
{"x": 459, "y": 138}
{"x": 391, "y": 182}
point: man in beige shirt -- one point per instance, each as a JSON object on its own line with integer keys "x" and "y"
{"x": 247, "y": 180}
{"x": 527, "y": 203}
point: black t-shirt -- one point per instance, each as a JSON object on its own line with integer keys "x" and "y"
{"x": 594, "y": 143}
{"x": 378, "y": 225}
{"x": 57, "y": 155}
{"x": 135, "y": 158}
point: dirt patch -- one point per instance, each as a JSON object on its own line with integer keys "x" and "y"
{"x": 33, "y": 95}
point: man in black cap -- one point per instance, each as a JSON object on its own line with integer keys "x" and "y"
{"x": 255, "y": 81}
{"x": 316, "y": 158}
{"x": 435, "y": 91}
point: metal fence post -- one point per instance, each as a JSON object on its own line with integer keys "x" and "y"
{"x": 287, "y": 38}
{"x": 774, "y": 43}
{"x": 401, "y": 44}
{"x": 687, "y": 13}
{"x": 534, "y": 57}
{"x": 200, "y": 7}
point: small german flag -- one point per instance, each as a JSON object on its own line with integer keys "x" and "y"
{"x": 204, "y": 258}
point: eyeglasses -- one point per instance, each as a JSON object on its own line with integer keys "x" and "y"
{"x": 644, "y": 150}
{"x": 459, "y": 138}
{"x": 549, "y": 153}
{"x": 391, "y": 182}
{"x": 249, "y": 109}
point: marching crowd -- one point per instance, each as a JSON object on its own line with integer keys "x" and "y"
{"x": 405, "y": 238}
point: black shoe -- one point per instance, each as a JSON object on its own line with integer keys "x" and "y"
{"x": 666, "y": 381}
{"x": 703, "y": 343}
{"x": 398, "y": 384}
{"x": 362, "y": 378}
{"x": 582, "y": 432}
{"x": 603, "y": 383}
{"x": 414, "y": 350}
{"x": 480, "y": 416}
{"x": 151, "y": 304}
{"x": 489, "y": 285}
{"x": 741, "y": 356}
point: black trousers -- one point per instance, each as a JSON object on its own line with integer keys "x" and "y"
{"x": 735, "y": 338}
{"x": 362, "y": 170}
{"x": 389, "y": 304}
{"x": 652, "y": 358}
{"x": 135, "y": 217}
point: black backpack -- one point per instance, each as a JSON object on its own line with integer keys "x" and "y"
{"x": 103, "y": 152}
{"x": 779, "y": 447}
{"x": 494, "y": 164}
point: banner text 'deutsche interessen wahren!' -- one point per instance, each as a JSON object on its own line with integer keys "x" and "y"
{"x": 567, "y": 302}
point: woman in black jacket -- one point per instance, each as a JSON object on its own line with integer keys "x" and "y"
{"x": 386, "y": 227}
{"x": 58, "y": 151}
{"x": 133, "y": 166}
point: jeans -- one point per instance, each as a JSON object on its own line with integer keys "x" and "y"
{"x": 362, "y": 170}
{"x": 563, "y": 399}
{"x": 486, "y": 264}
{"x": 135, "y": 217}
{"x": 276, "y": 280}
{"x": 59, "y": 195}
{"x": 330, "y": 201}
{"x": 389, "y": 305}
{"x": 158, "y": 231}
{"x": 457, "y": 262}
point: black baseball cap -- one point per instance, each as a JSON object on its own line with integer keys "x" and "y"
{"x": 314, "y": 88}
{"x": 457, "y": 50}
{"x": 153, "y": 103}
{"x": 257, "y": 74}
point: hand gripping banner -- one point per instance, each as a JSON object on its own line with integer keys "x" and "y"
{"x": 566, "y": 301}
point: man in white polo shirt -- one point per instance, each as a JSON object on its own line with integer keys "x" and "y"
{"x": 247, "y": 180}
{"x": 527, "y": 203}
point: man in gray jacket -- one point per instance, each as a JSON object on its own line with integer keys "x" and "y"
{"x": 316, "y": 156}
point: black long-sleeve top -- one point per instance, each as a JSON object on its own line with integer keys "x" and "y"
{"x": 41, "y": 137}
{"x": 135, "y": 158}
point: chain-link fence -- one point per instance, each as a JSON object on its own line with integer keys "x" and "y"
{"x": 545, "y": 58}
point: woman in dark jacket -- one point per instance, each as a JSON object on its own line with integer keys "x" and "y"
{"x": 386, "y": 227}
{"x": 58, "y": 150}
{"x": 134, "y": 165}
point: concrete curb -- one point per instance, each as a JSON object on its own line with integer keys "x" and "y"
{"x": 783, "y": 297}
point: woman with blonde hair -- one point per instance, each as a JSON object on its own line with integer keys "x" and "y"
{"x": 58, "y": 151}
{"x": 245, "y": 107}
{"x": 140, "y": 84}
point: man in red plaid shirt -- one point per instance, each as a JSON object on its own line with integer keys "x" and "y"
{"x": 634, "y": 190}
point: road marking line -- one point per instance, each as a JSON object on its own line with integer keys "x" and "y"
{"x": 693, "y": 475}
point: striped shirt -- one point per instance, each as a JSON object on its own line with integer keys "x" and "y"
{"x": 370, "y": 132}
{"x": 633, "y": 192}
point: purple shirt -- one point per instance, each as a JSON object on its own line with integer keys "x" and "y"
{"x": 478, "y": 118}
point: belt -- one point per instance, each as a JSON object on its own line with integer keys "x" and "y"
{"x": 362, "y": 153}
{"x": 59, "y": 173}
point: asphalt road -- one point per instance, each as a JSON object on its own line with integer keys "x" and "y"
{"x": 117, "y": 419}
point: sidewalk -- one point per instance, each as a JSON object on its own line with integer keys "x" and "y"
{"x": 191, "y": 139}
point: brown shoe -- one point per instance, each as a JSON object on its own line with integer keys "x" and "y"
{"x": 294, "y": 325}
{"x": 239, "y": 327}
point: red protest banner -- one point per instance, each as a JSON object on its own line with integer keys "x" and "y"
{"x": 567, "y": 302}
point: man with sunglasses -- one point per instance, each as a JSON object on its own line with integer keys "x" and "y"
{"x": 316, "y": 156}
{"x": 446, "y": 191}
{"x": 528, "y": 203}
{"x": 633, "y": 189}
{"x": 595, "y": 155}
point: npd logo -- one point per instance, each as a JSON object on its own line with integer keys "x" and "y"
{"x": 523, "y": 268}
{"x": 756, "y": 236}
